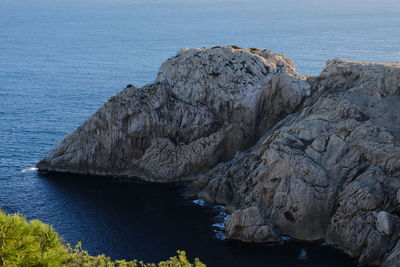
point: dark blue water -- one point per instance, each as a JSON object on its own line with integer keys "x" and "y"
{"x": 60, "y": 60}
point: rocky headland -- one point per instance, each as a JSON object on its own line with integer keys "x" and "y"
{"x": 308, "y": 157}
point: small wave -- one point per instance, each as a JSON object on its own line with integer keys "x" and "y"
{"x": 219, "y": 208}
{"x": 199, "y": 202}
{"x": 286, "y": 238}
{"x": 219, "y": 234}
{"x": 219, "y": 219}
{"x": 219, "y": 223}
{"x": 29, "y": 169}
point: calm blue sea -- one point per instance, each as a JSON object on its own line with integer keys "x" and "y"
{"x": 61, "y": 59}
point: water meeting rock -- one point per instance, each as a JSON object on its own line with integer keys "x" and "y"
{"x": 205, "y": 105}
{"x": 330, "y": 170}
{"x": 308, "y": 157}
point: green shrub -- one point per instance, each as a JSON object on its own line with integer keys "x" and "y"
{"x": 255, "y": 50}
{"x": 31, "y": 243}
{"x": 34, "y": 243}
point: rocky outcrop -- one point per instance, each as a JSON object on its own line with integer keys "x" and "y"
{"x": 312, "y": 158}
{"x": 205, "y": 105}
{"x": 247, "y": 225}
{"x": 329, "y": 171}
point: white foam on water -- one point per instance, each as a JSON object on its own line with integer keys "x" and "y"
{"x": 286, "y": 238}
{"x": 30, "y": 169}
{"x": 199, "y": 202}
{"x": 219, "y": 220}
{"x": 219, "y": 224}
{"x": 219, "y": 234}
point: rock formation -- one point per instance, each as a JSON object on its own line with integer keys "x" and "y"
{"x": 248, "y": 225}
{"x": 205, "y": 105}
{"x": 329, "y": 171}
{"x": 312, "y": 158}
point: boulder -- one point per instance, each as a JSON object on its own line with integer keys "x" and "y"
{"x": 248, "y": 225}
{"x": 385, "y": 222}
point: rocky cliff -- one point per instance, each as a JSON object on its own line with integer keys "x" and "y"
{"x": 313, "y": 158}
{"x": 205, "y": 105}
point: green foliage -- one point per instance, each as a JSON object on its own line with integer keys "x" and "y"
{"x": 31, "y": 243}
{"x": 77, "y": 257}
{"x": 255, "y": 50}
{"x": 34, "y": 243}
{"x": 180, "y": 261}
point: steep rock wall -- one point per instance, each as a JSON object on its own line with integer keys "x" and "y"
{"x": 329, "y": 171}
{"x": 315, "y": 158}
{"x": 205, "y": 105}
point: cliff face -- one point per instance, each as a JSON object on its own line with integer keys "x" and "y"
{"x": 315, "y": 158}
{"x": 206, "y": 105}
{"x": 329, "y": 171}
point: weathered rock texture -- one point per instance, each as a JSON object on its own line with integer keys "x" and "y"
{"x": 329, "y": 171}
{"x": 248, "y": 225}
{"x": 205, "y": 105}
{"x": 315, "y": 158}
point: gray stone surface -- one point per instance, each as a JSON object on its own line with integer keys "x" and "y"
{"x": 248, "y": 225}
{"x": 312, "y": 158}
{"x": 206, "y": 105}
{"x": 385, "y": 223}
{"x": 398, "y": 195}
{"x": 328, "y": 170}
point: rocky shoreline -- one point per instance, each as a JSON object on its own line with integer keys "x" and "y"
{"x": 308, "y": 157}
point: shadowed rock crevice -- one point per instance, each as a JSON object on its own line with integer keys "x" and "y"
{"x": 312, "y": 158}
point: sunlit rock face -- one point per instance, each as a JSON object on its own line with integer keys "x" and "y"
{"x": 205, "y": 105}
{"x": 312, "y": 158}
{"x": 330, "y": 170}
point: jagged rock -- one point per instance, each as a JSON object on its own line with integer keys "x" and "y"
{"x": 248, "y": 225}
{"x": 206, "y": 105}
{"x": 325, "y": 171}
{"x": 243, "y": 126}
{"x": 378, "y": 79}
